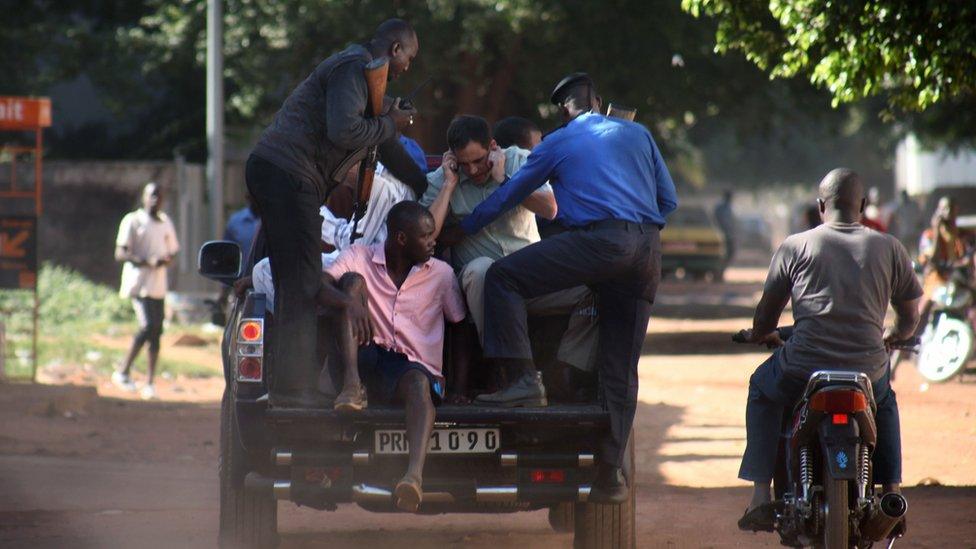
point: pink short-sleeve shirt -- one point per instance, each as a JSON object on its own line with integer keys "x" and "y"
{"x": 409, "y": 319}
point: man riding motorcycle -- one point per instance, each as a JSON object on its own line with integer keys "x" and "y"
{"x": 841, "y": 277}
{"x": 942, "y": 249}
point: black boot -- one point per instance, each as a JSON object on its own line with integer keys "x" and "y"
{"x": 610, "y": 485}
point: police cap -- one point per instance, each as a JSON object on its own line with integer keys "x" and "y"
{"x": 559, "y": 92}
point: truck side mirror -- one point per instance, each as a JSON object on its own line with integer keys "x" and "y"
{"x": 220, "y": 260}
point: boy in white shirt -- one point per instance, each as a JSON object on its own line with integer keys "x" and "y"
{"x": 146, "y": 244}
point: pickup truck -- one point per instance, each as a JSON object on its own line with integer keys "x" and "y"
{"x": 482, "y": 459}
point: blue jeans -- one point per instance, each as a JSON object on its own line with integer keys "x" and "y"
{"x": 772, "y": 394}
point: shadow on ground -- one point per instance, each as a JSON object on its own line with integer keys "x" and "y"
{"x": 695, "y": 343}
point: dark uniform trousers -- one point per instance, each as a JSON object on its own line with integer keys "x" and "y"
{"x": 621, "y": 262}
{"x": 289, "y": 207}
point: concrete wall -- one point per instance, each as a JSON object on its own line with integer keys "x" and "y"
{"x": 84, "y": 201}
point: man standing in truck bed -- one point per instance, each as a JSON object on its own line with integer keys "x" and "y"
{"x": 298, "y": 159}
{"x": 614, "y": 192}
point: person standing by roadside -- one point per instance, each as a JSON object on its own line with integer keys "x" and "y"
{"x": 146, "y": 244}
{"x": 319, "y": 133}
{"x": 243, "y": 225}
{"x": 725, "y": 218}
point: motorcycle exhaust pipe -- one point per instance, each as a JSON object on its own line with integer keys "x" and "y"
{"x": 885, "y": 516}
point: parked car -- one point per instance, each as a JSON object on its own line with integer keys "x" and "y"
{"x": 693, "y": 243}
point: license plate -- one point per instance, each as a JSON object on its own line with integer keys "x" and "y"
{"x": 442, "y": 441}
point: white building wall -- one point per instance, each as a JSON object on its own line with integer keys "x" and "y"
{"x": 919, "y": 170}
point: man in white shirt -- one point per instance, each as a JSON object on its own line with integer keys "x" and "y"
{"x": 387, "y": 191}
{"x": 146, "y": 244}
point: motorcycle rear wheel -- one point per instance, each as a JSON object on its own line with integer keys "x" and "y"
{"x": 836, "y": 523}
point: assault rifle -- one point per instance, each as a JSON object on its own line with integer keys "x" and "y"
{"x": 620, "y": 111}
{"x": 376, "y": 73}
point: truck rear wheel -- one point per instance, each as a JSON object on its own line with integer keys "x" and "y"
{"x": 600, "y": 526}
{"x": 562, "y": 517}
{"x": 246, "y": 520}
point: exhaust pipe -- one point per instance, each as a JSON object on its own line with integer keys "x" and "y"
{"x": 885, "y": 516}
{"x": 276, "y": 488}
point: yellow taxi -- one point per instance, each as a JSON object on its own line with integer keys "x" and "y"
{"x": 692, "y": 245}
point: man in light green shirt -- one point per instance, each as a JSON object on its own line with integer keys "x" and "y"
{"x": 472, "y": 169}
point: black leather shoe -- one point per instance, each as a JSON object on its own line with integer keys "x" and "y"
{"x": 610, "y": 486}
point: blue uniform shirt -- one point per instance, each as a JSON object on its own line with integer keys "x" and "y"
{"x": 599, "y": 167}
{"x": 241, "y": 228}
{"x": 415, "y": 152}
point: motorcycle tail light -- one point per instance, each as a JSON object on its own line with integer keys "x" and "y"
{"x": 840, "y": 419}
{"x": 839, "y": 402}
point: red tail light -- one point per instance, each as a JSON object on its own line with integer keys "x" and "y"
{"x": 547, "y": 475}
{"x": 839, "y": 402}
{"x": 840, "y": 419}
{"x": 251, "y": 330}
{"x": 249, "y": 369}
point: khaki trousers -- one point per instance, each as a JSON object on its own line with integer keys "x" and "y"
{"x": 578, "y": 345}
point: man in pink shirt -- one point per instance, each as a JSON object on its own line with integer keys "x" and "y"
{"x": 396, "y": 347}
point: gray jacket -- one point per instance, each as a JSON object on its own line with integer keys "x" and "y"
{"x": 320, "y": 132}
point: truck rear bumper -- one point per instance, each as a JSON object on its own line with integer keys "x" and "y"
{"x": 438, "y": 493}
{"x": 321, "y": 458}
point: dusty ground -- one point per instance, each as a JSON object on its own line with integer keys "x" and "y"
{"x": 94, "y": 467}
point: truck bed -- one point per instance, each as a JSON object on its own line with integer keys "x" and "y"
{"x": 469, "y": 413}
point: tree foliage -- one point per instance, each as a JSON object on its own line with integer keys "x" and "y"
{"x": 489, "y": 57}
{"x": 915, "y": 53}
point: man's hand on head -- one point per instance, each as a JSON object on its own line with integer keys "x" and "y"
{"x": 449, "y": 161}
{"x": 496, "y": 160}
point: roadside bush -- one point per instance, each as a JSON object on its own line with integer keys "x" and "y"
{"x": 67, "y": 296}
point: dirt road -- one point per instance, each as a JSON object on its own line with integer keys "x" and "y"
{"x": 81, "y": 467}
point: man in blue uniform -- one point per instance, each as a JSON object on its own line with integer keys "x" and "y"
{"x": 614, "y": 192}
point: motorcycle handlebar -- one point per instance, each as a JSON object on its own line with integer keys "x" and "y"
{"x": 909, "y": 344}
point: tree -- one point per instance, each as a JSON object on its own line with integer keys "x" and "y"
{"x": 915, "y": 53}
{"x": 489, "y": 57}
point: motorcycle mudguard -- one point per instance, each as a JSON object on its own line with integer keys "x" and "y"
{"x": 839, "y": 444}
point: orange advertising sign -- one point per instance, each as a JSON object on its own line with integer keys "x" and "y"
{"x": 24, "y": 113}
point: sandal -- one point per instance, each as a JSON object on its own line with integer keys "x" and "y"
{"x": 408, "y": 494}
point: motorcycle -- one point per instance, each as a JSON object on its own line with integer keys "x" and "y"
{"x": 948, "y": 338}
{"x": 823, "y": 485}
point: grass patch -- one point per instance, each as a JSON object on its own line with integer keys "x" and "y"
{"x": 74, "y": 313}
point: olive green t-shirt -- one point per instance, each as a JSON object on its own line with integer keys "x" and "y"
{"x": 508, "y": 234}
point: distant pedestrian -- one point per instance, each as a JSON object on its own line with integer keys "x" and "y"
{"x": 725, "y": 218}
{"x": 871, "y": 216}
{"x": 243, "y": 225}
{"x": 906, "y": 221}
{"x": 146, "y": 245}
